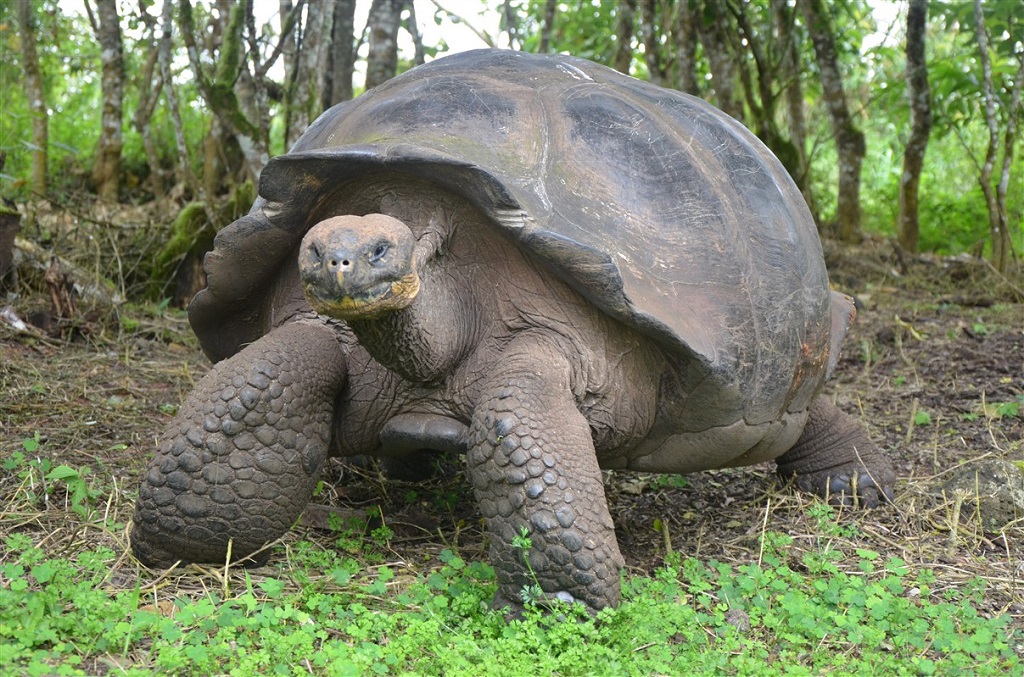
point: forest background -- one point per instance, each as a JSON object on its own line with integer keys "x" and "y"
{"x": 895, "y": 119}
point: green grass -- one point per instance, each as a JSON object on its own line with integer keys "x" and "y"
{"x": 319, "y": 610}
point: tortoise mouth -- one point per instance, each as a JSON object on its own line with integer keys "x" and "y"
{"x": 365, "y": 302}
{"x": 355, "y": 267}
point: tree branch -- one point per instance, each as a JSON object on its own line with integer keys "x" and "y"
{"x": 488, "y": 40}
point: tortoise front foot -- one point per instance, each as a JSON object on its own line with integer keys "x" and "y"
{"x": 533, "y": 468}
{"x": 835, "y": 459}
{"x": 239, "y": 462}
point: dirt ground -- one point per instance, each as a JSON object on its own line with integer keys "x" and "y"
{"x": 933, "y": 368}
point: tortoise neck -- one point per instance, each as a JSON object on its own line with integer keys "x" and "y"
{"x": 424, "y": 341}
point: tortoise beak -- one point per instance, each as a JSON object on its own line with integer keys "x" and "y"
{"x": 356, "y": 267}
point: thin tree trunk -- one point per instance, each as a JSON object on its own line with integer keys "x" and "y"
{"x": 106, "y": 171}
{"x": 219, "y": 91}
{"x": 999, "y": 226}
{"x": 624, "y": 20}
{"x": 789, "y": 70}
{"x": 149, "y": 83}
{"x": 256, "y": 105}
{"x": 1009, "y": 142}
{"x": 310, "y": 84}
{"x": 289, "y": 40}
{"x": 36, "y": 95}
{"x": 920, "y": 124}
{"x": 686, "y": 47}
{"x": 716, "y": 48}
{"x": 184, "y": 163}
{"x": 413, "y": 29}
{"x": 653, "y": 57}
{"x": 382, "y": 56}
{"x": 510, "y": 22}
{"x": 148, "y": 99}
{"x": 550, "y": 7}
{"x": 343, "y": 52}
{"x": 849, "y": 140}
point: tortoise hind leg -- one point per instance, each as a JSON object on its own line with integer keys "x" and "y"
{"x": 835, "y": 459}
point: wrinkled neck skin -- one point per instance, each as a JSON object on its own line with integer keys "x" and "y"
{"x": 424, "y": 341}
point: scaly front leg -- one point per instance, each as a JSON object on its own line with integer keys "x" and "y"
{"x": 532, "y": 463}
{"x": 240, "y": 461}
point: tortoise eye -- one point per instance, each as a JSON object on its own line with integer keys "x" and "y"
{"x": 314, "y": 249}
{"x": 378, "y": 252}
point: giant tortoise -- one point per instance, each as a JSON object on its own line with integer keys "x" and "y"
{"x": 533, "y": 260}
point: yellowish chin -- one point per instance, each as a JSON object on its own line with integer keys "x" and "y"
{"x": 396, "y": 297}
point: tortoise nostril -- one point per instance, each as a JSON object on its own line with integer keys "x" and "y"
{"x": 345, "y": 263}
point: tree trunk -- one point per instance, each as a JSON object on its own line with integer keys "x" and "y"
{"x": 1009, "y": 143}
{"x": 343, "y": 52}
{"x": 289, "y": 40}
{"x": 413, "y": 29}
{"x": 999, "y": 222}
{"x": 550, "y": 7}
{"x": 849, "y": 140}
{"x": 36, "y": 96}
{"x": 790, "y": 74}
{"x": 510, "y": 22}
{"x": 624, "y": 21}
{"x": 716, "y": 48}
{"x": 382, "y": 58}
{"x": 657, "y": 72}
{"x": 106, "y": 171}
{"x": 686, "y": 47}
{"x": 149, "y": 84}
{"x": 219, "y": 90}
{"x": 920, "y": 124}
{"x": 184, "y": 163}
{"x": 312, "y": 69}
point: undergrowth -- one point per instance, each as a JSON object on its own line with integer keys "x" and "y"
{"x": 778, "y": 584}
{"x": 320, "y": 610}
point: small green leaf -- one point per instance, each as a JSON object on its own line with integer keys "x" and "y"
{"x": 922, "y": 418}
{"x": 43, "y": 572}
{"x": 1007, "y": 409}
{"x": 62, "y": 472}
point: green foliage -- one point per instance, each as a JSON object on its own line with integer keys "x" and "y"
{"x": 71, "y": 79}
{"x": 832, "y": 609}
{"x": 583, "y": 31}
{"x": 56, "y": 614}
{"x": 953, "y": 214}
{"x": 70, "y": 63}
{"x": 532, "y": 594}
{"x": 43, "y": 482}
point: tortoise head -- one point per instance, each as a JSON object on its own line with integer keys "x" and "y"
{"x": 359, "y": 267}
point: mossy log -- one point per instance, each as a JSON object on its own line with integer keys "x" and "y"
{"x": 177, "y": 266}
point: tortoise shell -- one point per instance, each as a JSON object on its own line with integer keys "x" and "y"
{"x": 655, "y": 206}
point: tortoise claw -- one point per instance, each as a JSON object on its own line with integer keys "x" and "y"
{"x": 856, "y": 489}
